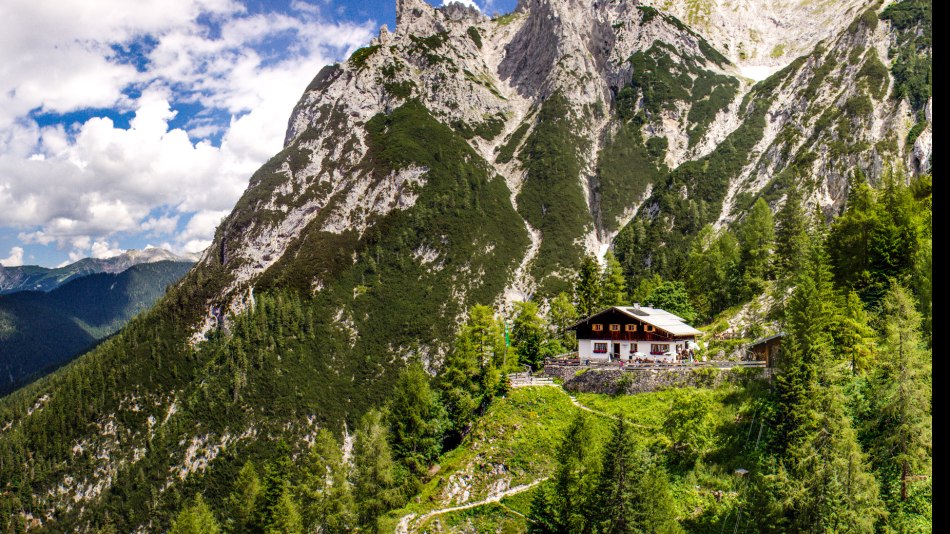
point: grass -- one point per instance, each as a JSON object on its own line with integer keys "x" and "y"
{"x": 518, "y": 436}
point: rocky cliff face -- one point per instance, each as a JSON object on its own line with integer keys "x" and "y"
{"x": 461, "y": 160}
{"x": 623, "y": 94}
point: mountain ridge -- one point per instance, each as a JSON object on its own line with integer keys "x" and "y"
{"x": 419, "y": 179}
{"x": 36, "y": 278}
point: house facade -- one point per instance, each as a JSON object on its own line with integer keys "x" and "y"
{"x": 635, "y": 332}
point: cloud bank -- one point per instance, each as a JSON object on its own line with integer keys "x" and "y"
{"x": 166, "y": 175}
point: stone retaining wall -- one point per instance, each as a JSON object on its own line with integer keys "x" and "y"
{"x": 630, "y": 381}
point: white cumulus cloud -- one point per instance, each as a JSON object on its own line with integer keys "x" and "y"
{"x": 79, "y": 186}
{"x": 15, "y": 259}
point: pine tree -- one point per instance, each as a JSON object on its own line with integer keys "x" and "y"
{"x": 632, "y": 493}
{"x": 854, "y": 337}
{"x": 902, "y": 391}
{"x": 806, "y": 348}
{"x": 470, "y": 376}
{"x": 566, "y": 505}
{"x": 417, "y": 420}
{"x": 589, "y": 288}
{"x": 285, "y": 516}
{"x": 327, "y": 493}
{"x": 614, "y": 285}
{"x": 374, "y": 481}
{"x": 756, "y": 233}
{"x": 817, "y": 478}
{"x": 791, "y": 234}
{"x": 244, "y": 499}
{"x": 196, "y": 518}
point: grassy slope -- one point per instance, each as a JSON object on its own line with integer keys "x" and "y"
{"x": 522, "y": 432}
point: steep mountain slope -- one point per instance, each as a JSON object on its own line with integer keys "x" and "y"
{"x": 39, "y": 331}
{"x": 35, "y": 278}
{"x": 457, "y": 160}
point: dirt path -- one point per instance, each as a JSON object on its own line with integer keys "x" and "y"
{"x": 403, "y": 526}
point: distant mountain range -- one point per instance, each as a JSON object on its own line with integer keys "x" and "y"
{"x": 35, "y": 278}
{"x": 41, "y": 330}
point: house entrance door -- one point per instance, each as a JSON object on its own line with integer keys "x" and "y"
{"x": 616, "y": 351}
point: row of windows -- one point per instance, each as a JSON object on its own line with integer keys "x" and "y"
{"x": 628, "y": 328}
{"x": 656, "y": 348}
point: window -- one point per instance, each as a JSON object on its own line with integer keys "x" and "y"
{"x": 633, "y": 348}
{"x": 597, "y": 328}
{"x": 659, "y": 348}
{"x": 615, "y": 328}
{"x": 649, "y": 328}
{"x": 600, "y": 348}
{"x": 630, "y": 328}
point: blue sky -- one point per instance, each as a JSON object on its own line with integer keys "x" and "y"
{"x": 133, "y": 124}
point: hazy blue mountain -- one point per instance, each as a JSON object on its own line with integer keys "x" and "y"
{"x": 40, "y": 331}
{"x": 36, "y": 278}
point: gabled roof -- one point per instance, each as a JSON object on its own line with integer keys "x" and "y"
{"x": 661, "y": 319}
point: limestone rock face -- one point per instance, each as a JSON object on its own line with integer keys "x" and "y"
{"x": 679, "y": 70}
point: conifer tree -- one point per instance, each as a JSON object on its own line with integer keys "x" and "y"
{"x": 902, "y": 390}
{"x": 817, "y": 478}
{"x": 244, "y": 499}
{"x": 589, "y": 287}
{"x": 791, "y": 234}
{"x": 374, "y": 481}
{"x": 470, "y": 376}
{"x": 711, "y": 271}
{"x": 195, "y": 518}
{"x": 285, "y": 515}
{"x": 565, "y": 505}
{"x": 326, "y": 490}
{"x": 632, "y": 493}
{"x": 417, "y": 420}
{"x": 614, "y": 284}
{"x": 756, "y": 233}
{"x": 854, "y": 337}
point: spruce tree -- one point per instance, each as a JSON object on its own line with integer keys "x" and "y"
{"x": 614, "y": 284}
{"x": 817, "y": 478}
{"x": 285, "y": 515}
{"x": 791, "y": 234}
{"x": 903, "y": 393}
{"x": 632, "y": 492}
{"x": 196, "y": 518}
{"x": 565, "y": 505}
{"x": 756, "y": 233}
{"x": 374, "y": 481}
{"x": 326, "y": 491}
{"x": 589, "y": 287}
{"x": 854, "y": 337}
{"x": 417, "y": 420}
{"x": 244, "y": 499}
{"x": 470, "y": 376}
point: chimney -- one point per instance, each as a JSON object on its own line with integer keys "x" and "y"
{"x": 636, "y": 305}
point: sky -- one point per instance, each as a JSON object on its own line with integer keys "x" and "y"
{"x": 136, "y": 124}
